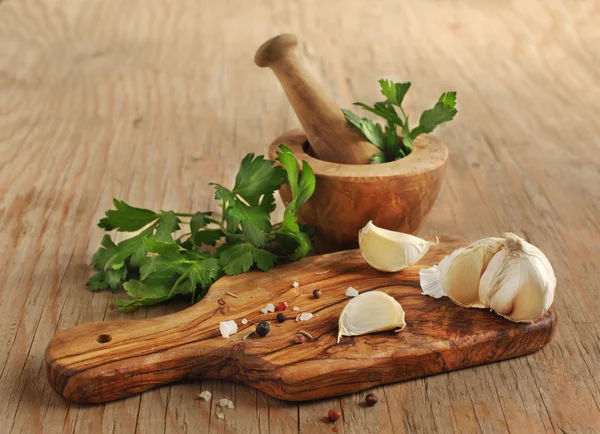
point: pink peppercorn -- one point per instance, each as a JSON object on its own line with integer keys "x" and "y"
{"x": 333, "y": 415}
{"x": 299, "y": 339}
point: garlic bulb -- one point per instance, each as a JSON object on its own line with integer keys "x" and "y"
{"x": 387, "y": 250}
{"x": 519, "y": 282}
{"x": 370, "y": 312}
{"x": 458, "y": 274}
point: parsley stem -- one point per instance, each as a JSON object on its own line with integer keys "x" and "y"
{"x": 232, "y": 235}
{"x": 182, "y": 214}
{"x": 183, "y": 235}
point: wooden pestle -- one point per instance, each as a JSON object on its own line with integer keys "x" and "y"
{"x": 331, "y": 136}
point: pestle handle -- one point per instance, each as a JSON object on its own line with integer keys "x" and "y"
{"x": 331, "y": 137}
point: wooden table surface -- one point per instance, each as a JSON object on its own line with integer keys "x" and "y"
{"x": 148, "y": 101}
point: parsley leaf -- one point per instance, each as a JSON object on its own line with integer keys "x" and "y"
{"x": 125, "y": 249}
{"x": 207, "y": 236}
{"x": 97, "y": 282}
{"x": 142, "y": 295}
{"x": 303, "y": 185}
{"x": 198, "y": 221}
{"x": 391, "y": 147}
{"x": 370, "y": 130}
{"x": 394, "y": 92}
{"x": 238, "y": 258}
{"x": 443, "y": 111}
{"x": 378, "y": 158}
{"x": 104, "y": 253}
{"x": 126, "y": 218}
{"x": 255, "y": 222}
{"x": 383, "y": 109}
{"x": 158, "y": 270}
{"x": 158, "y": 263}
{"x": 167, "y": 224}
{"x": 166, "y": 249}
{"x": 257, "y": 177}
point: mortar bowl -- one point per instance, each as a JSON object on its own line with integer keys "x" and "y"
{"x": 397, "y": 195}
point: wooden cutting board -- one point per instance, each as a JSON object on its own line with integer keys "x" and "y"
{"x": 104, "y": 361}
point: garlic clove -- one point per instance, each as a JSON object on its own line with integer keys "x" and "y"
{"x": 519, "y": 281}
{"x": 370, "y": 312}
{"x": 458, "y": 274}
{"x": 390, "y": 251}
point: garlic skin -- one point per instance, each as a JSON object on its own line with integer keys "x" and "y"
{"x": 390, "y": 251}
{"x": 519, "y": 282}
{"x": 370, "y": 312}
{"x": 458, "y": 274}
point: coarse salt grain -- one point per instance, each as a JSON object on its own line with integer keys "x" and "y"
{"x": 296, "y": 309}
{"x": 264, "y": 310}
{"x": 228, "y": 328}
{"x": 221, "y": 416}
{"x": 230, "y": 404}
{"x": 206, "y": 395}
{"x": 270, "y": 307}
{"x": 305, "y": 316}
{"x": 223, "y": 402}
{"x": 244, "y": 321}
{"x": 296, "y": 284}
{"x": 351, "y": 292}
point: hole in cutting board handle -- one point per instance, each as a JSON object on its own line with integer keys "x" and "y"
{"x": 102, "y": 339}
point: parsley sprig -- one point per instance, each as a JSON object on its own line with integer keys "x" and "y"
{"x": 154, "y": 265}
{"x": 390, "y": 145}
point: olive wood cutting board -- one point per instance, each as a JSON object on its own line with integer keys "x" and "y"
{"x": 104, "y": 361}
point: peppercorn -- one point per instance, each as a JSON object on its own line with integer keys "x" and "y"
{"x": 333, "y": 415}
{"x": 317, "y": 293}
{"x": 281, "y": 317}
{"x": 371, "y": 399}
{"x": 262, "y": 329}
{"x": 299, "y": 339}
{"x": 282, "y": 306}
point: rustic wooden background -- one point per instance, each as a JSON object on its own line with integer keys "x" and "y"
{"x": 148, "y": 101}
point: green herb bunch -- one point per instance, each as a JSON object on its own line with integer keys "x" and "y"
{"x": 391, "y": 146}
{"x": 154, "y": 266}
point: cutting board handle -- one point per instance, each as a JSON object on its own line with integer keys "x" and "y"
{"x": 104, "y": 361}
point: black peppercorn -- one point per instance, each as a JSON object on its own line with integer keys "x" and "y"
{"x": 262, "y": 329}
{"x": 371, "y": 399}
{"x": 317, "y": 293}
{"x": 281, "y": 317}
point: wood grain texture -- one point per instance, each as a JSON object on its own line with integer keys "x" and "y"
{"x": 104, "y": 361}
{"x": 149, "y": 100}
{"x": 331, "y": 136}
{"x": 398, "y": 195}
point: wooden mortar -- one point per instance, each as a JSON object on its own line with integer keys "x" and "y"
{"x": 397, "y": 195}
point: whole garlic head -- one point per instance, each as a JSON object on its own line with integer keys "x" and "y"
{"x": 459, "y": 273}
{"x": 519, "y": 281}
{"x": 370, "y": 312}
{"x": 390, "y": 251}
